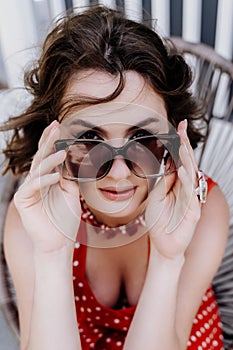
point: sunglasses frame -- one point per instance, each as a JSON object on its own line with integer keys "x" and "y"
{"x": 63, "y": 144}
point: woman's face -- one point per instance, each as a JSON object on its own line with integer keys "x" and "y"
{"x": 138, "y": 111}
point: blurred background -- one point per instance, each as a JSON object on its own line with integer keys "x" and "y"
{"x": 25, "y": 23}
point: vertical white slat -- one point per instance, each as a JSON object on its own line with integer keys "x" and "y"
{"x": 57, "y": 8}
{"x": 80, "y": 5}
{"x": 42, "y": 18}
{"x": 224, "y": 29}
{"x": 222, "y": 97}
{"x": 133, "y": 9}
{"x": 224, "y": 46}
{"x": 109, "y": 3}
{"x": 17, "y": 37}
{"x": 160, "y": 12}
{"x": 191, "y": 20}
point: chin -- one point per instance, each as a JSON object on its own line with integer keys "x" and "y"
{"x": 110, "y": 207}
{"x": 115, "y": 214}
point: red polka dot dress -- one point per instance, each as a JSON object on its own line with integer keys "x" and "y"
{"x": 103, "y": 328}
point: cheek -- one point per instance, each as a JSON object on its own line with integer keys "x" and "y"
{"x": 88, "y": 189}
{"x": 149, "y": 184}
{"x": 91, "y": 195}
{"x": 144, "y": 188}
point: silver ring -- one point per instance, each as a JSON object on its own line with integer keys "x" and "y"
{"x": 202, "y": 188}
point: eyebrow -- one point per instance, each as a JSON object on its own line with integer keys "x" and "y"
{"x": 93, "y": 126}
{"x": 86, "y": 124}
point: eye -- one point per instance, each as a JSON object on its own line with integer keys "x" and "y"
{"x": 140, "y": 133}
{"x": 90, "y": 135}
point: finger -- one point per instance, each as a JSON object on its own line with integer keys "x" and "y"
{"x": 60, "y": 204}
{"x": 30, "y": 191}
{"x": 48, "y": 164}
{"x": 46, "y": 132}
{"x": 184, "y": 189}
{"x": 46, "y": 145}
{"x": 182, "y": 131}
{"x": 187, "y": 187}
{"x": 164, "y": 185}
{"x": 186, "y": 202}
{"x": 190, "y": 200}
{"x": 187, "y": 163}
{"x": 195, "y": 172}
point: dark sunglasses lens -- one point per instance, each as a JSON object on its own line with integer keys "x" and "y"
{"x": 87, "y": 160}
{"x": 145, "y": 156}
{"x": 150, "y": 156}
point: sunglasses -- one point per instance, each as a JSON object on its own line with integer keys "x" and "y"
{"x": 147, "y": 157}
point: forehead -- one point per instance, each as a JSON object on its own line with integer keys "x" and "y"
{"x": 137, "y": 101}
{"x": 116, "y": 114}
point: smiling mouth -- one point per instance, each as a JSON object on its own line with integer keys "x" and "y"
{"x": 118, "y": 194}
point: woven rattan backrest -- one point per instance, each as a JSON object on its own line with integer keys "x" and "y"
{"x": 213, "y": 77}
{"x": 213, "y": 83}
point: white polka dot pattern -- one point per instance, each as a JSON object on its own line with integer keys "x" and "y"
{"x": 206, "y": 333}
{"x": 102, "y": 328}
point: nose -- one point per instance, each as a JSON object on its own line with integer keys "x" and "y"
{"x": 119, "y": 169}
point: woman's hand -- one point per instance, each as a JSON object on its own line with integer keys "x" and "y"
{"x": 49, "y": 205}
{"x": 173, "y": 208}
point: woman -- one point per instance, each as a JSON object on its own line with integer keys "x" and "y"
{"x": 113, "y": 101}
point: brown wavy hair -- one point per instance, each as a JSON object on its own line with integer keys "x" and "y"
{"x": 101, "y": 39}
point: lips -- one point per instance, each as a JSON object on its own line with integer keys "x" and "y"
{"x": 118, "y": 194}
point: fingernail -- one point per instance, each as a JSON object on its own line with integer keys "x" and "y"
{"x": 54, "y": 124}
{"x": 61, "y": 152}
{"x": 185, "y": 124}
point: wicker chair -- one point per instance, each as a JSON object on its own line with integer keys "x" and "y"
{"x": 8, "y": 304}
{"x": 213, "y": 77}
{"x": 215, "y": 157}
{"x": 213, "y": 83}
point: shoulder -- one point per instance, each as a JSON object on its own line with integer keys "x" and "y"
{"x": 203, "y": 256}
{"x": 215, "y": 213}
{"x": 209, "y": 241}
{"x": 18, "y": 251}
{"x": 213, "y": 225}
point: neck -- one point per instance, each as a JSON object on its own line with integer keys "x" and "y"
{"x": 102, "y": 240}
{"x": 122, "y": 233}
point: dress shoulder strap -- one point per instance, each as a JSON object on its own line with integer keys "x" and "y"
{"x": 211, "y": 183}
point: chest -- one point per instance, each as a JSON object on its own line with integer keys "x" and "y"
{"x": 116, "y": 276}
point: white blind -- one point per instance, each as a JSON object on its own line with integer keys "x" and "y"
{"x": 28, "y": 26}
